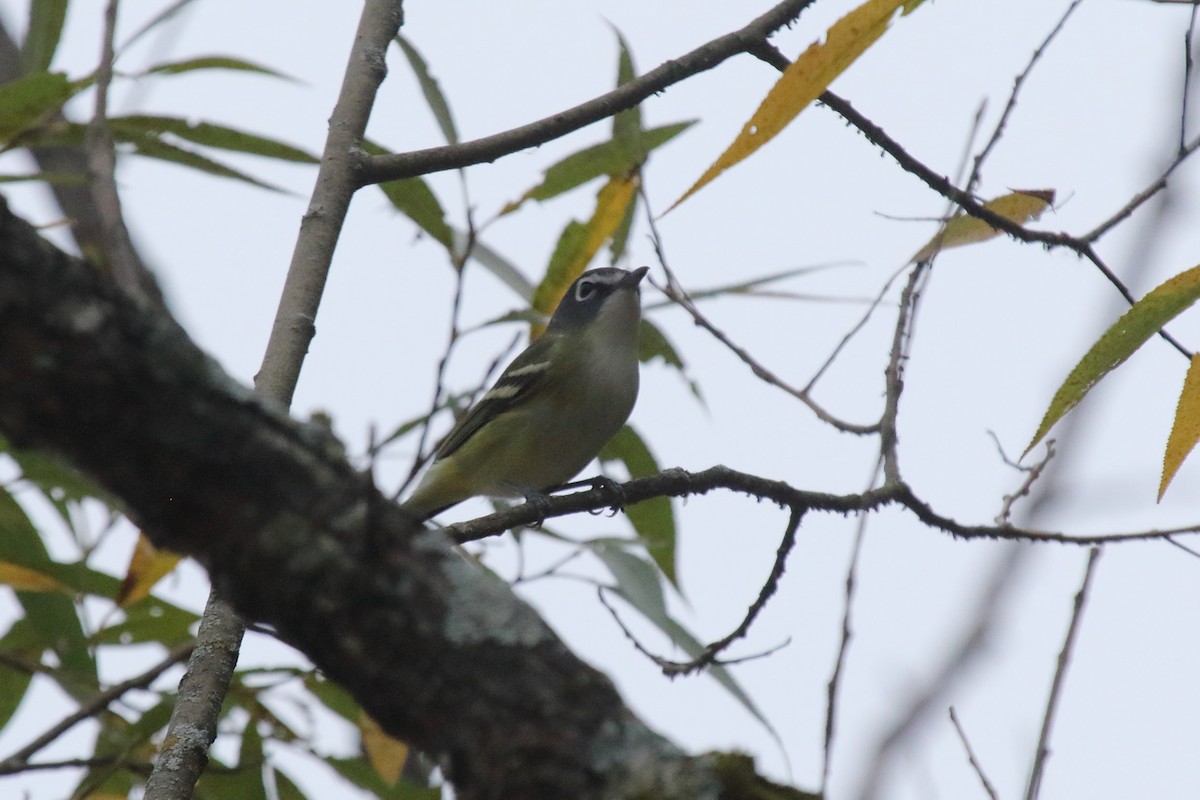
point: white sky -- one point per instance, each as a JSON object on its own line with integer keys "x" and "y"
{"x": 1000, "y": 325}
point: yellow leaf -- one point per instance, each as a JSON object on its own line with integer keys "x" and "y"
{"x": 387, "y": 755}
{"x": 567, "y": 265}
{"x": 24, "y": 579}
{"x": 147, "y": 566}
{"x": 805, "y": 79}
{"x": 1185, "y": 432}
{"x": 1019, "y": 206}
{"x": 1144, "y": 319}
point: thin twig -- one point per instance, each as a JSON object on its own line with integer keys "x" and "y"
{"x": 894, "y": 378}
{"x": 970, "y": 645}
{"x": 974, "y": 762}
{"x": 847, "y": 633}
{"x": 1009, "y": 107}
{"x": 1188, "y": 74}
{"x": 1060, "y": 674}
{"x": 377, "y": 169}
{"x": 1032, "y": 473}
{"x": 98, "y": 703}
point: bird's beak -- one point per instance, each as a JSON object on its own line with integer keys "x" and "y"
{"x": 634, "y": 277}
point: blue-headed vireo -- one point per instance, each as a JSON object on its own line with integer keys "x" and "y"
{"x": 555, "y": 405}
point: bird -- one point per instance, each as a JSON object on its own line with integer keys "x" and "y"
{"x": 553, "y": 408}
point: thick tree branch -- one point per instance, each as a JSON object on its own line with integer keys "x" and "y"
{"x": 437, "y": 650}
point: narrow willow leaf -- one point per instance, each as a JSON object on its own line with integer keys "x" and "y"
{"x": 607, "y": 158}
{"x": 1185, "y": 431}
{"x": 46, "y": 18}
{"x": 147, "y": 566}
{"x": 1139, "y": 323}
{"x": 152, "y": 147}
{"x": 498, "y": 265}
{"x": 413, "y": 198}
{"x": 215, "y": 62}
{"x": 639, "y": 583}
{"x": 24, "y": 579}
{"x": 1019, "y": 206}
{"x": 579, "y": 244}
{"x": 653, "y": 520}
{"x": 627, "y": 124}
{"x": 27, "y": 100}
{"x": 386, "y": 754}
{"x": 14, "y": 680}
{"x": 805, "y": 79}
{"x": 131, "y": 128}
{"x": 432, "y": 91}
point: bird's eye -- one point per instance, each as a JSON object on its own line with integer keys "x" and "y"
{"x": 584, "y": 290}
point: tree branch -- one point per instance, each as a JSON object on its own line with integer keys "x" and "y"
{"x": 377, "y": 169}
{"x": 435, "y": 649}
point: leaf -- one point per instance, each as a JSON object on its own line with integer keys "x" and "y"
{"x": 24, "y": 579}
{"x": 638, "y": 582}
{"x": 433, "y": 93}
{"x": 496, "y": 264}
{"x": 386, "y": 754}
{"x": 137, "y": 126}
{"x": 52, "y": 616}
{"x": 607, "y": 158}
{"x": 360, "y": 773}
{"x": 653, "y": 519}
{"x": 1020, "y": 206}
{"x": 627, "y": 124}
{"x": 151, "y": 620}
{"x": 413, "y": 198}
{"x": 1144, "y": 319}
{"x": 805, "y": 79}
{"x": 15, "y": 682}
{"x": 151, "y": 147}
{"x": 46, "y": 19}
{"x": 147, "y": 566}
{"x": 215, "y": 62}
{"x": 27, "y": 100}
{"x": 1185, "y": 431}
{"x": 579, "y": 243}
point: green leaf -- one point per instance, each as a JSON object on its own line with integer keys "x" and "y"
{"x": 433, "y": 93}
{"x": 149, "y": 620}
{"x": 333, "y": 697}
{"x": 138, "y": 126}
{"x": 653, "y": 519}
{"x": 25, "y": 101}
{"x": 13, "y": 681}
{"x": 498, "y": 265}
{"x": 360, "y": 773}
{"x": 46, "y": 19}
{"x": 158, "y": 149}
{"x": 571, "y": 243}
{"x": 60, "y": 483}
{"x": 1144, "y": 319}
{"x": 215, "y": 62}
{"x": 285, "y": 787}
{"x": 413, "y": 198}
{"x": 607, "y": 158}
{"x": 627, "y": 124}
{"x": 638, "y": 582}
{"x": 52, "y": 178}
{"x": 53, "y": 617}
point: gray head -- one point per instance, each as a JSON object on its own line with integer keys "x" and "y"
{"x": 591, "y": 291}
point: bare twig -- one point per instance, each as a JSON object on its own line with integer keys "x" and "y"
{"x": 1188, "y": 74}
{"x": 1060, "y": 675}
{"x": 975, "y": 765}
{"x": 1009, "y": 107}
{"x": 18, "y": 760}
{"x": 118, "y": 256}
{"x": 377, "y": 169}
{"x": 681, "y": 483}
{"x": 894, "y": 378}
{"x": 969, "y": 646}
{"x": 831, "y": 691}
{"x": 1032, "y": 473}
{"x": 194, "y": 718}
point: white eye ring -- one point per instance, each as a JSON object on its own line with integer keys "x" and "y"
{"x": 584, "y": 290}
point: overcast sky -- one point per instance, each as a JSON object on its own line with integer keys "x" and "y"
{"x": 999, "y": 327}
